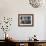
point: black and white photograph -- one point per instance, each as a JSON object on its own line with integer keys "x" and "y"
{"x": 25, "y": 19}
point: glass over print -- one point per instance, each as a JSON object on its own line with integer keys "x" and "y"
{"x": 25, "y": 19}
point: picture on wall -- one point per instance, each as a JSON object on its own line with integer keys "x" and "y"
{"x": 25, "y": 19}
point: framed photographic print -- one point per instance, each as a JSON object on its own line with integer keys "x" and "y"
{"x": 25, "y": 19}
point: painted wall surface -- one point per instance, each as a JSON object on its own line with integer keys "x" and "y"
{"x": 11, "y": 8}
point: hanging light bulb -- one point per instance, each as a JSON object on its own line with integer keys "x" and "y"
{"x": 36, "y": 3}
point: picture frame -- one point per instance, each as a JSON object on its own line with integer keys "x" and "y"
{"x": 25, "y": 20}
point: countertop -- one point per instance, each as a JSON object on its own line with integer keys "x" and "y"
{"x": 42, "y": 41}
{"x": 38, "y": 41}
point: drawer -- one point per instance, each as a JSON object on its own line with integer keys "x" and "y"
{"x": 21, "y": 44}
{"x": 25, "y": 44}
{"x": 42, "y": 44}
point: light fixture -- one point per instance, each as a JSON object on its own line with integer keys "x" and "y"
{"x": 36, "y": 3}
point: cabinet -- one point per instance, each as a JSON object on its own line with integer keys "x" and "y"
{"x": 25, "y": 44}
{"x": 37, "y": 44}
{"x": 42, "y": 44}
{"x": 21, "y": 44}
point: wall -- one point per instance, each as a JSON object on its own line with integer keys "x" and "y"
{"x": 11, "y": 8}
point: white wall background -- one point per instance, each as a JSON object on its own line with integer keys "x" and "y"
{"x": 11, "y": 8}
